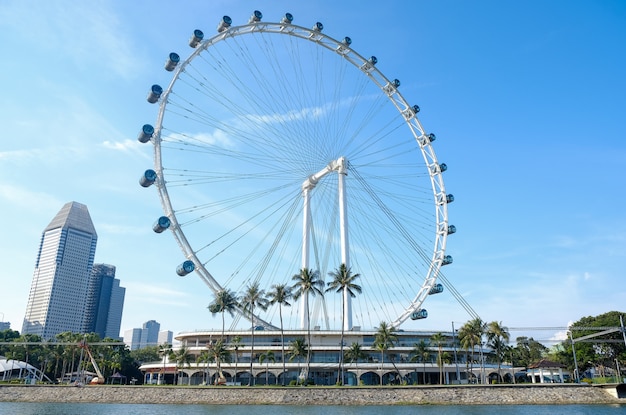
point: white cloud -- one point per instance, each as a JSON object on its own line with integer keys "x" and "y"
{"x": 84, "y": 32}
{"x": 27, "y": 200}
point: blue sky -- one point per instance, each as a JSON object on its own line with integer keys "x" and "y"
{"x": 526, "y": 99}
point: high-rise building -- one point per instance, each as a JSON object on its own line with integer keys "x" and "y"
{"x": 58, "y": 295}
{"x": 148, "y": 335}
{"x": 132, "y": 338}
{"x": 165, "y": 336}
{"x": 105, "y": 302}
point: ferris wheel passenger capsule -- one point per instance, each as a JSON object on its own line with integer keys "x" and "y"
{"x": 419, "y": 314}
{"x": 373, "y": 60}
{"x": 447, "y": 260}
{"x": 146, "y": 133}
{"x": 172, "y": 61}
{"x": 185, "y": 268}
{"x": 161, "y": 224}
{"x": 318, "y": 27}
{"x": 196, "y": 38}
{"x": 256, "y": 17}
{"x": 396, "y": 83}
{"x": 148, "y": 178}
{"x": 155, "y": 93}
{"x": 224, "y": 24}
{"x": 287, "y": 18}
{"x": 449, "y": 198}
{"x": 347, "y": 41}
{"x": 451, "y": 229}
{"x": 437, "y": 289}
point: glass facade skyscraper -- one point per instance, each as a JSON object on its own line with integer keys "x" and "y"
{"x": 105, "y": 302}
{"x": 69, "y": 293}
{"x": 58, "y": 293}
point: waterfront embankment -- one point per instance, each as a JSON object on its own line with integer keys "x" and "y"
{"x": 560, "y": 394}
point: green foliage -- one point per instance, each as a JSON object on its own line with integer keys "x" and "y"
{"x": 146, "y": 354}
{"x": 597, "y": 353}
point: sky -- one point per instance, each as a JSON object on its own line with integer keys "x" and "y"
{"x": 526, "y": 98}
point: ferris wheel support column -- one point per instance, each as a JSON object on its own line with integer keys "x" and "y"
{"x": 343, "y": 229}
{"x": 339, "y": 166}
{"x": 306, "y": 230}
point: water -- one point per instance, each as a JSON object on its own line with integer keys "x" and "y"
{"x": 28, "y": 408}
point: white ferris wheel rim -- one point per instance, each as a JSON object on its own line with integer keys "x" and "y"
{"x": 344, "y": 51}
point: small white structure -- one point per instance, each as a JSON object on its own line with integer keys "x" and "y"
{"x": 16, "y": 369}
{"x": 546, "y": 371}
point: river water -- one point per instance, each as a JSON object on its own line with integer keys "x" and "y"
{"x": 27, "y": 408}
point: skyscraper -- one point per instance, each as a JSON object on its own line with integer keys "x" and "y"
{"x": 148, "y": 335}
{"x": 58, "y": 294}
{"x": 105, "y": 302}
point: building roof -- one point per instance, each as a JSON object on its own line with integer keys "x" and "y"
{"x": 73, "y": 215}
{"x": 545, "y": 364}
{"x": 10, "y": 364}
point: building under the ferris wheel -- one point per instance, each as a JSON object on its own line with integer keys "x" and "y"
{"x": 266, "y": 135}
{"x": 399, "y": 366}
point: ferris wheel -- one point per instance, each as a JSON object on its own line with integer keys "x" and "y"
{"x": 279, "y": 148}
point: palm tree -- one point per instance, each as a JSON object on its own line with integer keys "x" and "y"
{"x": 225, "y": 301}
{"x": 267, "y": 357}
{"x": 204, "y": 357}
{"x": 297, "y": 349}
{"x": 307, "y": 282}
{"x": 218, "y": 352}
{"x": 236, "y": 344}
{"x": 470, "y": 335}
{"x": 252, "y": 298}
{"x": 281, "y": 294}
{"x": 384, "y": 340}
{"x": 343, "y": 283}
{"x": 498, "y": 336}
{"x": 165, "y": 350}
{"x": 439, "y": 339}
{"x": 420, "y": 353}
{"x": 354, "y": 354}
{"x": 183, "y": 359}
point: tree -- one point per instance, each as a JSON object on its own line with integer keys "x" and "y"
{"x": 343, "y": 282}
{"x": 598, "y": 353}
{"x": 307, "y": 282}
{"x": 218, "y": 352}
{"x": 281, "y": 294}
{"x": 204, "y": 357}
{"x": 253, "y": 297}
{"x": 183, "y": 359}
{"x": 297, "y": 350}
{"x": 225, "y": 301}
{"x": 470, "y": 336}
{"x": 498, "y": 337}
{"x": 267, "y": 357}
{"x": 354, "y": 354}
{"x": 421, "y": 353}
{"x": 439, "y": 340}
{"x": 384, "y": 340}
{"x": 236, "y": 344}
{"x": 165, "y": 351}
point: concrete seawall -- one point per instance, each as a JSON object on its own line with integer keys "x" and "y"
{"x": 437, "y": 395}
